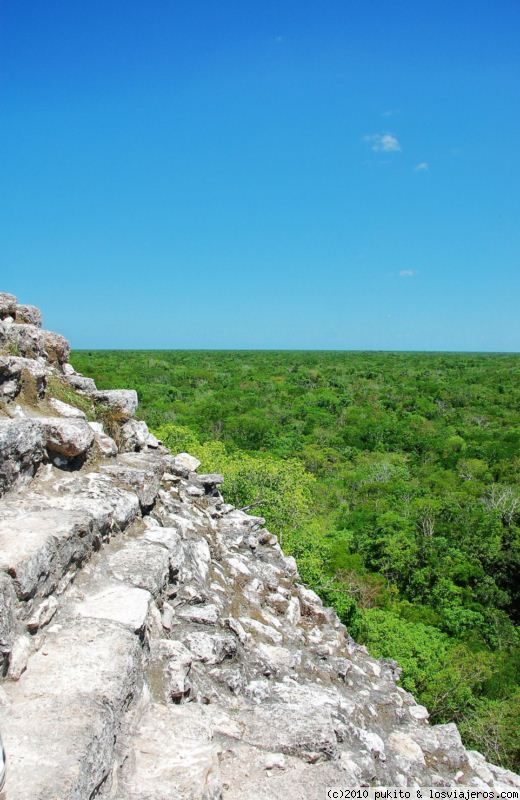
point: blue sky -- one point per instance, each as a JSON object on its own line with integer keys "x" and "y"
{"x": 263, "y": 174}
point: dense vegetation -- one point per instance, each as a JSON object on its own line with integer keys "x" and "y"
{"x": 394, "y": 479}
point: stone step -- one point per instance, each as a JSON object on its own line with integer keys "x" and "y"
{"x": 172, "y": 755}
{"x": 139, "y": 472}
{"x": 27, "y": 441}
{"x": 51, "y": 528}
{"x": 61, "y": 720}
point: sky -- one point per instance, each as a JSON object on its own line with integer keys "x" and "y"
{"x": 289, "y": 174}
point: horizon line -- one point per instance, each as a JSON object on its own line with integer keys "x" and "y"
{"x": 290, "y": 350}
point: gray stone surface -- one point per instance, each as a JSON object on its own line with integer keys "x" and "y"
{"x": 7, "y": 305}
{"x": 37, "y": 547}
{"x": 29, "y": 315}
{"x": 54, "y": 525}
{"x": 135, "y": 436}
{"x": 66, "y": 436}
{"x": 65, "y": 712}
{"x": 15, "y": 372}
{"x": 139, "y": 473}
{"x": 183, "y": 464}
{"x": 115, "y": 602}
{"x": 105, "y": 444}
{"x": 82, "y": 384}
{"x": 21, "y": 451}
{"x": 141, "y": 564}
{"x": 122, "y": 402}
{"x": 26, "y": 341}
{"x": 173, "y": 757}
{"x": 65, "y": 410}
{"x": 19, "y": 656}
{"x": 7, "y": 619}
{"x": 57, "y": 348}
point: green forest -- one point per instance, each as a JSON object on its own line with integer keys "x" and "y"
{"x": 394, "y": 479}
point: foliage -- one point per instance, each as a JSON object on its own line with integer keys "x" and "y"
{"x": 394, "y": 479}
{"x": 280, "y": 490}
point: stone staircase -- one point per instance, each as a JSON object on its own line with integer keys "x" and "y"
{"x": 155, "y": 643}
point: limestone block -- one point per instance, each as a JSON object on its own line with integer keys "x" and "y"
{"x": 21, "y": 451}
{"x": 56, "y": 347}
{"x": 142, "y": 564}
{"x": 122, "y": 402}
{"x": 7, "y": 305}
{"x": 82, "y": 384}
{"x": 66, "y": 410}
{"x": 116, "y": 602}
{"x": 29, "y": 315}
{"x": 67, "y": 437}
{"x": 182, "y": 464}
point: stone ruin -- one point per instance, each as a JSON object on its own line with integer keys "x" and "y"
{"x": 155, "y": 641}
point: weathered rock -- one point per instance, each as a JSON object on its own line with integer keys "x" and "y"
{"x": 60, "y": 521}
{"x": 16, "y": 372}
{"x": 82, "y": 384}
{"x": 121, "y": 402}
{"x": 56, "y": 347}
{"x": 29, "y": 315}
{"x": 177, "y": 669}
{"x": 141, "y": 564}
{"x": 38, "y": 547}
{"x": 26, "y": 341}
{"x": 66, "y": 437}
{"x": 139, "y": 473}
{"x": 167, "y": 616}
{"x": 183, "y": 464}
{"x": 116, "y": 602}
{"x": 196, "y": 562}
{"x": 105, "y": 444}
{"x": 7, "y": 305}
{"x": 96, "y": 496}
{"x": 195, "y": 491}
{"x": 7, "y": 619}
{"x": 20, "y": 653}
{"x": 66, "y": 410}
{"x": 135, "y": 436}
{"x": 403, "y": 744}
{"x": 293, "y": 612}
{"x": 21, "y": 451}
{"x": 42, "y": 615}
{"x": 171, "y": 541}
{"x": 205, "y": 615}
{"x": 211, "y": 648}
{"x": 235, "y": 626}
{"x": 287, "y": 730}
{"x": 172, "y": 756}
{"x": 69, "y": 704}
{"x": 262, "y": 631}
{"x": 68, "y": 370}
{"x": 275, "y": 761}
{"x": 210, "y": 479}
{"x": 442, "y": 746}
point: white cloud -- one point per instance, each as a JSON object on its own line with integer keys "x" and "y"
{"x": 391, "y": 112}
{"x": 383, "y": 142}
{"x": 423, "y": 166}
{"x": 407, "y": 273}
